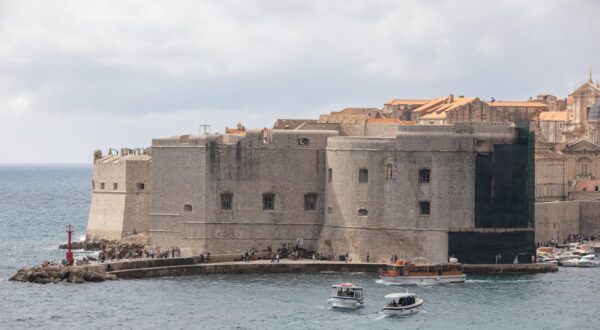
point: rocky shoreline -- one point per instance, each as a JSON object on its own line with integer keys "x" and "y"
{"x": 126, "y": 247}
{"x": 57, "y": 274}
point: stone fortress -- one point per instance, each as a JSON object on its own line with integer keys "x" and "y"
{"x": 417, "y": 178}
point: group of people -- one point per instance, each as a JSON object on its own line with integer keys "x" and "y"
{"x": 404, "y": 301}
{"x": 571, "y": 238}
{"x": 247, "y": 256}
{"x": 274, "y": 257}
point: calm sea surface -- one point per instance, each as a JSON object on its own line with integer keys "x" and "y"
{"x": 36, "y": 202}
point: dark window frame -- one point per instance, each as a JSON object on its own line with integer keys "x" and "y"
{"x": 268, "y": 201}
{"x": 362, "y": 212}
{"x": 424, "y": 175}
{"x": 226, "y": 200}
{"x": 424, "y": 208}
{"x": 363, "y": 175}
{"x": 310, "y": 201}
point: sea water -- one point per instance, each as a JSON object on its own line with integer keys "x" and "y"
{"x": 36, "y": 202}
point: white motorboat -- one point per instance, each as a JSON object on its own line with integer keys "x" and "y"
{"x": 589, "y": 260}
{"x": 407, "y": 273}
{"x": 346, "y": 295}
{"x": 402, "y": 304}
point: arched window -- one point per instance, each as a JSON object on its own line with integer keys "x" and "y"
{"x": 187, "y": 207}
{"x": 389, "y": 171}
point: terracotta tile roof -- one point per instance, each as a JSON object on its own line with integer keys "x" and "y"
{"x": 406, "y": 101}
{"x": 234, "y": 131}
{"x": 554, "y": 116}
{"x": 527, "y": 104}
{"x": 437, "y": 108}
{"x": 390, "y": 121}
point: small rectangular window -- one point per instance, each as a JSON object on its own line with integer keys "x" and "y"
{"x": 268, "y": 201}
{"x": 330, "y": 175}
{"x": 303, "y": 141}
{"x": 363, "y": 212}
{"x": 424, "y": 175}
{"x": 226, "y": 201}
{"x": 140, "y": 186}
{"x": 101, "y": 185}
{"x": 363, "y": 175}
{"x": 310, "y": 201}
{"x": 424, "y": 208}
{"x": 115, "y": 185}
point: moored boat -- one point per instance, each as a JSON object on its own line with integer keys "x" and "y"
{"x": 586, "y": 261}
{"x": 402, "y": 304}
{"x": 407, "y": 273}
{"x": 346, "y": 295}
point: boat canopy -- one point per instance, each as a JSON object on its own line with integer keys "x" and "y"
{"x": 399, "y": 295}
{"x": 346, "y": 285}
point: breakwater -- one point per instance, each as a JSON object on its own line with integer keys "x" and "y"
{"x": 189, "y": 267}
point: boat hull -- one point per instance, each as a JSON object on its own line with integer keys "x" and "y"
{"x": 349, "y": 303}
{"x": 407, "y": 280}
{"x": 404, "y": 310}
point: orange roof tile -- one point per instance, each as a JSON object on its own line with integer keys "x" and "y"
{"x": 554, "y": 116}
{"x": 233, "y": 131}
{"x": 438, "y": 107}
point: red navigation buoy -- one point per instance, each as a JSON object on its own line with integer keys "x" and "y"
{"x": 70, "y": 259}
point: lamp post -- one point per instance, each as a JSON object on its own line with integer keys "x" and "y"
{"x": 69, "y": 258}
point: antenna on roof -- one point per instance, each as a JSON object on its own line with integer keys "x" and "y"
{"x": 204, "y": 129}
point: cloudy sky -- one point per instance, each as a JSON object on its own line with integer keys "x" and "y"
{"x": 81, "y": 75}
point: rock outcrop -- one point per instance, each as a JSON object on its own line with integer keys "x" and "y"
{"x": 56, "y": 274}
{"x": 124, "y": 248}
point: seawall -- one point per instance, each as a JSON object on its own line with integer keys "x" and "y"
{"x": 141, "y": 269}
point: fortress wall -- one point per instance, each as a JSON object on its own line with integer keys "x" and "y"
{"x": 202, "y": 168}
{"x": 178, "y": 179}
{"x": 137, "y": 199}
{"x": 394, "y": 223}
{"x": 106, "y": 216}
{"x": 108, "y": 204}
{"x": 381, "y": 129}
{"x": 283, "y": 167}
{"x": 589, "y": 218}
{"x": 556, "y": 220}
